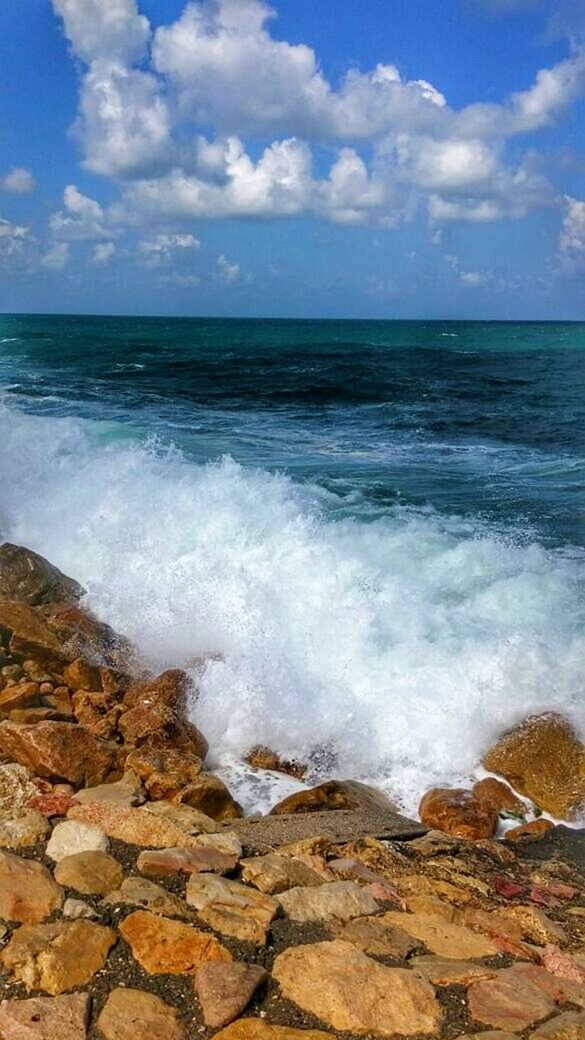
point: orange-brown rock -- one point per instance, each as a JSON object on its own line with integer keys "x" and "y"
{"x": 24, "y": 631}
{"x": 80, "y": 675}
{"x": 544, "y": 760}
{"x": 208, "y": 794}
{"x": 458, "y": 812}
{"x": 157, "y": 726}
{"x": 22, "y": 695}
{"x": 173, "y": 688}
{"x": 29, "y": 578}
{"x": 132, "y": 1014}
{"x": 61, "y": 751}
{"x": 497, "y": 794}
{"x": 258, "y": 1029}
{"x": 534, "y": 830}
{"x": 164, "y": 772}
{"x": 28, "y": 893}
{"x": 134, "y": 826}
{"x": 169, "y": 947}
{"x": 85, "y": 636}
{"x": 263, "y": 758}
{"x": 98, "y": 712}
{"x": 334, "y": 794}
{"x": 57, "y": 957}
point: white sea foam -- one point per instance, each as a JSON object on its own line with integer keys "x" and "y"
{"x": 403, "y": 646}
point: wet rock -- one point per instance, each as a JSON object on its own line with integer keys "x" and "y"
{"x": 28, "y": 893}
{"x": 209, "y": 795}
{"x": 132, "y": 1014}
{"x": 72, "y": 836}
{"x": 442, "y": 937}
{"x": 334, "y": 794}
{"x": 263, "y": 758}
{"x": 258, "y": 1029}
{"x": 60, "y": 751}
{"x": 186, "y": 861}
{"x": 159, "y": 727}
{"x": 340, "y": 900}
{"x": 534, "y": 830}
{"x": 57, "y": 957}
{"x": 570, "y": 1026}
{"x": 98, "y": 712}
{"x": 91, "y": 873}
{"x": 172, "y": 688}
{"x": 85, "y": 635}
{"x": 26, "y": 634}
{"x": 164, "y": 772}
{"x": 133, "y": 826}
{"x": 274, "y": 873}
{"x": 80, "y": 675}
{"x": 459, "y": 813}
{"x": 375, "y": 937}
{"x": 188, "y": 820}
{"x": 46, "y": 1018}
{"x": 136, "y": 891}
{"x": 27, "y": 828}
{"x": 126, "y": 793}
{"x": 225, "y": 990}
{"x": 544, "y": 760}
{"x": 498, "y": 795}
{"x": 352, "y": 993}
{"x": 169, "y": 947}
{"x": 29, "y": 578}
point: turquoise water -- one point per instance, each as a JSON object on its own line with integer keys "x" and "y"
{"x": 378, "y": 525}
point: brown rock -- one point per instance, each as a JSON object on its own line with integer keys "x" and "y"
{"x": 458, "y": 813}
{"x": 445, "y": 938}
{"x": 60, "y": 751}
{"x": 334, "y": 794}
{"x": 544, "y": 760}
{"x": 490, "y": 1034}
{"x": 16, "y": 787}
{"x": 534, "y": 924}
{"x": 137, "y": 891}
{"x": 157, "y": 726}
{"x": 274, "y": 873}
{"x": 533, "y": 830}
{"x": 133, "y": 826}
{"x": 46, "y": 1018}
{"x": 375, "y": 937}
{"x": 91, "y": 873}
{"x": 185, "y": 861}
{"x": 352, "y": 993}
{"x": 225, "y": 990}
{"x": 132, "y": 1014}
{"x": 98, "y": 712}
{"x": 80, "y": 675}
{"x": 498, "y": 795}
{"x": 31, "y": 716}
{"x": 124, "y": 794}
{"x": 173, "y": 688}
{"x": 339, "y": 900}
{"x": 442, "y": 971}
{"x": 258, "y": 1029}
{"x": 169, "y": 947}
{"x": 570, "y": 1026}
{"x": 25, "y": 632}
{"x": 29, "y": 578}
{"x": 23, "y": 695}
{"x": 512, "y": 1000}
{"x": 188, "y": 820}
{"x": 209, "y": 795}
{"x": 263, "y": 758}
{"x": 234, "y": 923}
{"x": 28, "y": 893}
{"x": 57, "y": 957}
{"x": 164, "y": 772}
{"x": 26, "y": 827}
{"x": 86, "y": 636}
{"x": 205, "y": 890}
{"x": 379, "y": 857}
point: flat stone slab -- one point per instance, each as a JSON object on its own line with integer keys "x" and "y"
{"x": 340, "y": 825}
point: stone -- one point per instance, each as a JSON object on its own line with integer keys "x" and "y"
{"x": 24, "y": 695}
{"x": 263, "y": 758}
{"x": 169, "y": 947}
{"x": 31, "y": 716}
{"x": 137, "y": 891}
{"x": 378, "y": 857}
{"x": 569, "y": 1026}
{"x": 534, "y": 830}
{"x": 164, "y": 772}
{"x": 91, "y": 873}
{"x": 184, "y": 817}
{"x": 512, "y": 1000}
{"x": 274, "y": 873}
{"x": 237, "y": 924}
{"x": 80, "y": 675}
{"x": 60, "y": 751}
{"x": 72, "y": 836}
{"x": 26, "y": 828}
{"x": 258, "y": 1029}
{"x": 16, "y": 787}
{"x": 85, "y": 635}
{"x": 126, "y": 793}
{"x": 26, "y": 634}
{"x": 340, "y": 900}
{"x": 57, "y": 957}
{"x": 225, "y": 990}
{"x": 210, "y": 796}
{"x": 204, "y": 890}
{"x": 332, "y": 795}
{"x": 443, "y": 971}
{"x": 173, "y": 688}
{"x": 222, "y": 841}
{"x": 490, "y": 1034}
{"x": 185, "y": 861}
{"x": 98, "y": 712}
{"x": 459, "y": 813}
{"x": 133, "y": 826}
{"x": 352, "y": 993}
{"x": 499, "y": 796}
{"x": 76, "y": 910}
{"x": 355, "y": 870}
{"x": 535, "y": 924}
{"x": 132, "y": 1014}
{"x": 27, "y": 577}
{"x": 442, "y": 937}
{"x": 562, "y": 964}
{"x": 160, "y": 727}
{"x": 46, "y": 1018}
{"x": 28, "y": 893}
{"x": 544, "y": 760}
{"x": 375, "y": 937}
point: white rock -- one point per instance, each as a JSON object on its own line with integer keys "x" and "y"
{"x": 75, "y": 909}
{"x": 72, "y": 836}
{"x": 224, "y": 841}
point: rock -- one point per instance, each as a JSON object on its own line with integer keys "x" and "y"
{"x": 498, "y": 795}
{"x": 29, "y": 578}
{"x": 209, "y": 795}
{"x": 274, "y": 873}
{"x": 85, "y": 635}
{"x": 27, "y": 828}
{"x": 204, "y": 890}
{"x": 378, "y": 857}
{"x": 169, "y": 947}
{"x": 340, "y": 900}
{"x": 490, "y": 1034}
{"x": 445, "y": 938}
{"x": 185, "y": 861}
{"x": 562, "y": 964}
{"x": 26, "y": 634}
{"x": 352, "y": 993}
{"x": 459, "y": 813}
{"x": 160, "y": 727}
{"x": 258, "y": 1029}
{"x": 80, "y": 675}
{"x": 71, "y": 837}
{"x": 334, "y": 794}
{"x": 57, "y": 957}
{"x": 98, "y": 712}
{"x": 76, "y": 910}
{"x": 534, "y": 830}
{"x": 225, "y": 990}
{"x": 355, "y": 870}
{"x": 31, "y": 716}
{"x": 132, "y": 1014}
{"x": 236, "y": 924}
{"x": 91, "y": 873}
{"x": 137, "y": 891}
{"x": 23, "y": 695}
{"x": 51, "y": 804}
{"x": 534, "y": 924}
{"x": 60, "y": 751}
{"x": 188, "y": 820}
{"x": 544, "y": 760}
{"x": 512, "y": 1000}
{"x": 164, "y": 772}
{"x": 173, "y": 689}
{"x": 443, "y": 971}
{"x": 133, "y": 826}
{"x": 28, "y": 893}
{"x": 570, "y": 1026}
{"x": 45, "y": 1018}
{"x": 263, "y": 758}
{"x": 375, "y": 937}
{"x": 222, "y": 841}
{"x": 16, "y": 787}
{"x": 126, "y": 793}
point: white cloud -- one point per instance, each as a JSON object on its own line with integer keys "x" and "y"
{"x": 57, "y": 257}
{"x": 468, "y": 279}
{"x": 110, "y": 29}
{"x": 14, "y": 240}
{"x": 19, "y": 181}
{"x": 227, "y": 272}
{"x": 103, "y": 253}
{"x": 83, "y": 217}
{"x": 159, "y": 250}
{"x": 572, "y": 237}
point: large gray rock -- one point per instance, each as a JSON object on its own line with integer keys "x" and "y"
{"x": 29, "y": 578}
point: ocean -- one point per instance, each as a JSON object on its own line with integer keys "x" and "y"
{"x": 375, "y": 529}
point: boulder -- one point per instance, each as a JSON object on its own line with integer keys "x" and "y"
{"x": 512, "y": 1000}
{"x": 543, "y": 759}
{"x": 25, "y": 633}
{"x": 28, "y": 893}
{"x": 45, "y": 1018}
{"x": 332, "y": 795}
{"x": 184, "y": 817}
{"x": 164, "y": 772}
{"x": 26, "y": 827}
{"x": 531, "y": 831}
{"x": 274, "y": 873}
{"x": 225, "y": 990}
{"x": 132, "y": 1014}
{"x": 443, "y": 937}
{"x": 20, "y": 696}
{"x": 375, "y": 937}
{"x": 98, "y": 712}
{"x": 205, "y": 890}
{"x": 61, "y": 751}
{"x": 162, "y": 946}
{"x": 91, "y": 873}
{"x": 173, "y": 689}
{"x": 80, "y": 675}
{"x": 85, "y": 636}
{"x": 263, "y": 758}
{"x": 156, "y": 726}
{"x": 16, "y": 787}
{"x": 71, "y": 837}
{"x": 209, "y": 795}
{"x": 126, "y": 793}
{"x": 495, "y": 793}
{"x": 29, "y": 578}
{"x": 570, "y": 1026}
{"x": 459, "y": 813}
{"x": 57, "y": 957}
{"x": 337, "y": 900}
{"x": 134, "y": 826}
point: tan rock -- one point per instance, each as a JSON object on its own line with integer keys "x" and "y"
{"x": 352, "y": 993}
{"x": 535, "y": 924}
{"x": 445, "y": 938}
{"x": 140, "y": 892}
{"x": 205, "y": 890}
{"x": 132, "y": 1014}
{"x": 490, "y": 1034}
{"x": 60, "y": 751}
{"x": 133, "y": 826}
{"x": 459, "y": 813}
{"x": 164, "y": 772}
{"x": 91, "y": 873}
{"x": 27, "y": 634}
{"x": 28, "y": 893}
{"x": 73, "y": 836}
{"x": 126, "y": 793}
{"x": 184, "y": 817}
{"x": 16, "y": 787}
{"x": 314, "y": 846}
{"x": 98, "y": 712}
{"x": 258, "y": 1029}
{"x": 570, "y": 1026}
{"x": 169, "y": 947}
{"x": 378, "y": 856}
{"x": 534, "y": 830}
{"x": 185, "y": 861}
{"x": 275, "y": 873}
{"x": 375, "y": 937}
{"x": 420, "y": 885}
{"x": 224, "y": 841}
{"x": 234, "y": 923}
{"x": 159, "y": 727}
{"x": 334, "y": 794}
{"x": 46, "y": 1018}
{"x": 340, "y": 900}
{"x": 225, "y": 990}
{"x": 57, "y": 957}
{"x": 80, "y": 675}
{"x": 27, "y": 828}
{"x": 544, "y": 760}
{"x": 263, "y": 758}
{"x": 495, "y": 793}
{"x": 443, "y": 971}
{"x": 76, "y": 910}
{"x": 208, "y": 794}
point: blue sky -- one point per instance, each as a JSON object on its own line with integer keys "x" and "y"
{"x": 396, "y": 158}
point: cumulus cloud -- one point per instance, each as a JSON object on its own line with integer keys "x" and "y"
{"x": 158, "y": 250}
{"x": 57, "y": 257}
{"x": 19, "y": 181}
{"x": 81, "y": 218}
{"x": 227, "y": 272}
{"x": 14, "y": 239}
{"x": 572, "y": 236}
{"x": 103, "y": 253}
{"x": 105, "y": 29}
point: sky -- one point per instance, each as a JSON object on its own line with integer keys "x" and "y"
{"x": 308, "y": 158}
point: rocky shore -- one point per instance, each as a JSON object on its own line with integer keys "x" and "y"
{"x": 137, "y": 902}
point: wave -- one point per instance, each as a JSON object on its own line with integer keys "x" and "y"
{"x": 399, "y": 648}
